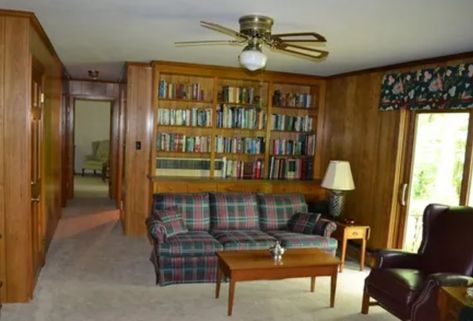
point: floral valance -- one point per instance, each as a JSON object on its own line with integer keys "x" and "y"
{"x": 448, "y": 87}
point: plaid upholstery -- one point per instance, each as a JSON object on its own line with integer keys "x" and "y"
{"x": 298, "y": 240}
{"x": 186, "y": 269}
{"x": 275, "y": 210}
{"x": 303, "y": 222}
{"x": 243, "y": 239}
{"x": 325, "y": 227}
{"x": 233, "y": 211}
{"x": 196, "y": 243}
{"x": 156, "y": 229}
{"x": 172, "y": 221}
{"x": 194, "y": 208}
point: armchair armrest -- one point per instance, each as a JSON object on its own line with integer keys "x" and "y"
{"x": 156, "y": 229}
{"x": 325, "y": 227}
{"x": 425, "y": 307}
{"x": 450, "y": 279}
{"x": 396, "y": 259}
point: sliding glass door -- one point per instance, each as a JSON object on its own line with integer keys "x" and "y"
{"x": 436, "y": 163}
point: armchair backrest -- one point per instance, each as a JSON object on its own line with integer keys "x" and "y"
{"x": 447, "y": 242}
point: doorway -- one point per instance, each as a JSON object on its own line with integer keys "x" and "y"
{"x": 436, "y": 166}
{"x": 92, "y": 127}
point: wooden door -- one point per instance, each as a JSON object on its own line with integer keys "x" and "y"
{"x": 37, "y": 199}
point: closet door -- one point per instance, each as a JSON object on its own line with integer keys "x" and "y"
{"x": 37, "y": 198}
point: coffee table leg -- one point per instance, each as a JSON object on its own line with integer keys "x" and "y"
{"x": 333, "y": 288}
{"x": 231, "y": 293}
{"x": 219, "y": 280}
{"x": 312, "y": 284}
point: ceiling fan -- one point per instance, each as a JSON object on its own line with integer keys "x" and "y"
{"x": 255, "y": 32}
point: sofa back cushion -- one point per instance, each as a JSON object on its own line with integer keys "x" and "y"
{"x": 194, "y": 208}
{"x": 233, "y": 211}
{"x": 275, "y": 210}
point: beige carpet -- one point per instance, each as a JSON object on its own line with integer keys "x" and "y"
{"x": 92, "y": 272}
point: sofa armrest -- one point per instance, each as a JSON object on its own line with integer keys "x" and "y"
{"x": 396, "y": 259}
{"x": 450, "y": 279}
{"x": 156, "y": 229}
{"x": 325, "y": 227}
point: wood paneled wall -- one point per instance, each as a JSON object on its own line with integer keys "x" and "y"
{"x": 21, "y": 41}
{"x": 139, "y": 128}
{"x": 373, "y": 142}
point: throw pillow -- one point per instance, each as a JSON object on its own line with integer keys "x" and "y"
{"x": 172, "y": 220}
{"x": 303, "y": 222}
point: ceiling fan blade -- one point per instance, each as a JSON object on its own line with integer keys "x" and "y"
{"x": 301, "y": 51}
{"x": 208, "y": 42}
{"x": 222, "y": 29}
{"x": 299, "y": 37}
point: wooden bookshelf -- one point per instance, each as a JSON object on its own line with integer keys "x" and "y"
{"x": 241, "y": 106}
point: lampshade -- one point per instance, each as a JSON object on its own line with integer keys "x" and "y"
{"x": 338, "y": 176}
{"x": 253, "y": 58}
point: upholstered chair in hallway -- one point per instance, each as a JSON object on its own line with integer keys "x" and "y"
{"x": 406, "y": 284}
{"x": 98, "y": 160}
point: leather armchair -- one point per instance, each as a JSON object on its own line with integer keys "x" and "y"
{"x": 406, "y": 284}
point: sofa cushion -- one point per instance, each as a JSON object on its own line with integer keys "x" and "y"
{"x": 297, "y": 240}
{"x": 243, "y": 239}
{"x": 275, "y": 210}
{"x": 172, "y": 221}
{"x": 303, "y": 222}
{"x": 194, "y": 243}
{"x": 233, "y": 211}
{"x": 194, "y": 208}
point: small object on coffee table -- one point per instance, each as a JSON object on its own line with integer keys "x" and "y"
{"x": 277, "y": 252}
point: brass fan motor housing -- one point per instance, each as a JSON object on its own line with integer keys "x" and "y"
{"x": 256, "y": 25}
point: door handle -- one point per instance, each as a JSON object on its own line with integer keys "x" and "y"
{"x": 403, "y": 194}
{"x": 35, "y": 200}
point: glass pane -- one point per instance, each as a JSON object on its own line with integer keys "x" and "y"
{"x": 439, "y": 154}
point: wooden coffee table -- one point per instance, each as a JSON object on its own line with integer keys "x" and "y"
{"x": 250, "y": 265}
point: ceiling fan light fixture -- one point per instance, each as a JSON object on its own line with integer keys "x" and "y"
{"x": 252, "y": 58}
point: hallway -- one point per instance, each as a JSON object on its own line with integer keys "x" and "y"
{"x": 78, "y": 281}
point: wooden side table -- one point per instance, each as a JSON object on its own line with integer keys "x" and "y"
{"x": 347, "y": 232}
{"x": 450, "y": 301}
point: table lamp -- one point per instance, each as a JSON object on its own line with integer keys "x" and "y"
{"x": 337, "y": 180}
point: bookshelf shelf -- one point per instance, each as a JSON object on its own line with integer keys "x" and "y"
{"x": 236, "y": 111}
{"x": 186, "y": 101}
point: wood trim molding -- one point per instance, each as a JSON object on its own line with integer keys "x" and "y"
{"x": 406, "y": 65}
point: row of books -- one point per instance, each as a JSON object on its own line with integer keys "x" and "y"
{"x": 290, "y": 168}
{"x": 291, "y": 123}
{"x": 304, "y": 145}
{"x": 244, "y": 145}
{"x": 173, "y": 142}
{"x": 239, "y": 95}
{"x": 195, "y": 117}
{"x": 187, "y": 167}
{"x": 240, "y": 117}
{"x": 180, "y": 91}
{"x": 240, "y": 169}
{"x": 300, "y": 100}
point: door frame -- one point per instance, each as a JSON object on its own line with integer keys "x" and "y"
{"x": 408, "y": 134}
{"x": 85, "y": 90}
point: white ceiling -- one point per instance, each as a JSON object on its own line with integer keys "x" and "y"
{"x": 103, "y": 34}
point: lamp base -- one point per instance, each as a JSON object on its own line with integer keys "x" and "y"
{"x": 336, "y": 200}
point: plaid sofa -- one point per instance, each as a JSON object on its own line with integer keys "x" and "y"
{"x": 226, "y": 221}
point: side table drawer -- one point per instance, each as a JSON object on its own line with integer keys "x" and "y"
{"x": 355, "y": 232}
